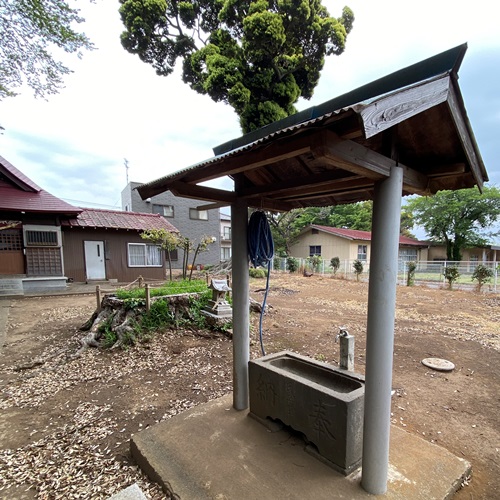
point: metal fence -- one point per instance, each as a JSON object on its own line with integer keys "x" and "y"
{"x": 430, "y": 273}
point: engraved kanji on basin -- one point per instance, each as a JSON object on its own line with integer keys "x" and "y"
{"x": 323, "y": 402}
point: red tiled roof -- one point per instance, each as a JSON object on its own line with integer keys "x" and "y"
{"x": 15, "y": 200}
{"x": 355, "y": 234}
{"x": 18, "y": 193}
{"x": 17, "y": 177}
{"x": 114, "y": 219}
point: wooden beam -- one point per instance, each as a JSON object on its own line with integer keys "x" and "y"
{"x": 271, "y": 205}
{"x": 446, "y": 170}
{"x": 339, "y": 187}
{"x": 462, "y": 181}
{"x": 356, "y": 158}
{"x": 281, "y": 149}
{"x": 202, "y": 192}
{"x": 399, "y": 106}
{"x": 290, "y": 186}
{"x": 330, "y": 194}
{"x": 212, "y": 206}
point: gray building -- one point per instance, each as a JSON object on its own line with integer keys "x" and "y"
{"x": 182, "y": 213}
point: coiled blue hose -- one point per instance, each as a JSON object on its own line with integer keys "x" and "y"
{"x": 261, "y": 252}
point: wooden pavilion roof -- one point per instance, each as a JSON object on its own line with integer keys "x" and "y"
{"x": 334, "y": 153}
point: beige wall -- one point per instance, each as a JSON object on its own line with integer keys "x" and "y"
{"x": 479, "y": 254}
{"x": 336, "y": 246}
{"x": 331, "y": 246}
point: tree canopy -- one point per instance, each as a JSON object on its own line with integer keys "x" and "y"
{"x": 286, "y": 226}
{"x": 30, "y": 30}
{"x": 257, "y": 56}
{"x": 459, "y": 219}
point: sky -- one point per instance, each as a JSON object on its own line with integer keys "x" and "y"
{"x": 114, "y": 107}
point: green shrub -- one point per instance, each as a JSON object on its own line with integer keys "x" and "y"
{"x": 335, "y": 264}
{"x": 410, "y": 279}
{"x": 451, "y": 274}
{"x": 482, "y": 275}
{"x": 358, "y": 268}
{"x": 257, "y": 272}
{"x": 315, "y": 262}
{"x": 292, "y": 264}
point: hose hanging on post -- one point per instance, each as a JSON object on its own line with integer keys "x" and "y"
{"x": 261, "y": 251}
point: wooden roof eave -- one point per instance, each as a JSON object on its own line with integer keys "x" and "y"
{"x": 464, "y": 131}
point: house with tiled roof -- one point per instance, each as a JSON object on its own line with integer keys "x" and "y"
{"x": 349, "y": 244}
{"x": 30, "y": 236}
{"x": 44, "y": 241}
{"x": 109, "y": 244}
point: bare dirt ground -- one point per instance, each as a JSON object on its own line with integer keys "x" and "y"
{"x": 65, "y": 426}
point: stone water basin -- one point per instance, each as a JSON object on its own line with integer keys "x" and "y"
{"x": 321, "y": 401}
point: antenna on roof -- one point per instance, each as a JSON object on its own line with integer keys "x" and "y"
{"x": 125, "y": 161}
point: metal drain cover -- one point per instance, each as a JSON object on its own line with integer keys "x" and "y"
{"x": 439, "y": 364}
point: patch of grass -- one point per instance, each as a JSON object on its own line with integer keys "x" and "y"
{"x": 158, "y": 316}
{"x": 169, "y": 288}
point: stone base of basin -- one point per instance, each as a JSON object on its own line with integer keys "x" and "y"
{"x": 319, "y": 400}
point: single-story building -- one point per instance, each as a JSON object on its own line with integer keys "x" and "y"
{"x": 44, "y": 240}
{"x": 349, "y": 244}
{"x": 474, "y": 255}
{"x": 30, "y": 234}
{"x": 106, "y": 244}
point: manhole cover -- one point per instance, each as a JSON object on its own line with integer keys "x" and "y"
{"x": 441, "y": 365}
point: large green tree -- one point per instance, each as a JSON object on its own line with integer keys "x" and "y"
{"x": 459, "y": 219}
{"x": 30, "y": 30}
{"x": 350, "y": 216}
{"x": 258, "y": 56}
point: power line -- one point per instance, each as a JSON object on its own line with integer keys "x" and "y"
{"x": 86, "y": 203}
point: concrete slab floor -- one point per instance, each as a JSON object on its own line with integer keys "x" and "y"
{"x": 214, "y": 451}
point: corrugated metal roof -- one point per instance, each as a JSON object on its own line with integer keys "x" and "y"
{"x": 355, "y": 234}
{"x": 246, "y": 147}
{"x": 114, "y": 219}
{"x": 444, "y": 62}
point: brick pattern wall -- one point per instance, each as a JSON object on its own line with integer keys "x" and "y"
{"x": 192, "y": 229}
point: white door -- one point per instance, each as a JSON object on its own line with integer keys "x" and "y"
{"x": 94, "y": 260}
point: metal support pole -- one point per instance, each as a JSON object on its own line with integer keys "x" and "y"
{"x": 241, "y": 300}
{"x": 380, "y": 331}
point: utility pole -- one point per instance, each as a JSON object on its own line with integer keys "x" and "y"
{"x": 125, "y": 161}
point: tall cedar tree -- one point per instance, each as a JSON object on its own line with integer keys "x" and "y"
{"x": 258, "y": 56}
{"x": 29, "y": 30}
{"x": 459, "y": 219}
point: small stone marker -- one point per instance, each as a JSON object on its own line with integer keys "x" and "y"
{"x": 439, "y": 364}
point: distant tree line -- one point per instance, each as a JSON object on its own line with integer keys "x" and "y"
{"x": 457, "y": 219}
